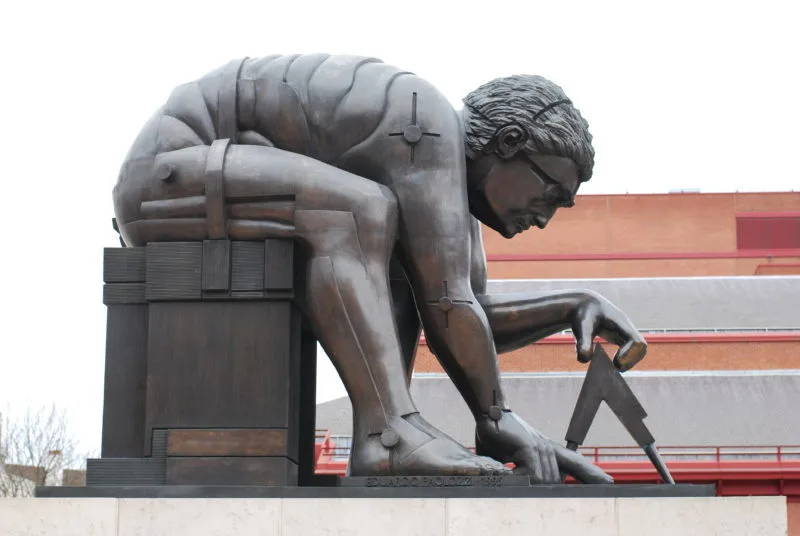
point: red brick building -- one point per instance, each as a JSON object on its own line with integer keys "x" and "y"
{"x": 657, "y": 235}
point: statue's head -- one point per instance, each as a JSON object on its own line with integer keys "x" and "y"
{"x": 528, "y": 151}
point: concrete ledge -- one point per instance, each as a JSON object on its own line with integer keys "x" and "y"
{"x": 62, "y": 517}
{"x": 397, "y": 488}
{"x": 698, "y": 516}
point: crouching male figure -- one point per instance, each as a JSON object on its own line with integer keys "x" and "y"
{"x": 371, "y": 170}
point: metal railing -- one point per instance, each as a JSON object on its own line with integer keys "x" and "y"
{"x": 341, "y": 452}
{"x": 708, "y": 330}
{"x": 691, "y": 453}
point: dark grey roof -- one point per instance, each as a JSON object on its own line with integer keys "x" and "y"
{"x": 688, "y": 303}
{"x": 698, "y": 409}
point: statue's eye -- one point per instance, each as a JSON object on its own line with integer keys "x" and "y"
{"x": 552, "y": 194}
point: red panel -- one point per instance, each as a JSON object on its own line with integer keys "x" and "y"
{"x": 753, "y": 233}
{"x": 768, "y": 233}
{"x": 786, "y": 233}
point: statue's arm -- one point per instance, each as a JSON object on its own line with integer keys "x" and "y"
{"x": 434, "y": 246}
{"x": 520, "y": 319}
{"x": 434, "y": 249}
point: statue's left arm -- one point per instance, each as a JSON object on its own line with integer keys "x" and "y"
{"x": 519, "y": 319}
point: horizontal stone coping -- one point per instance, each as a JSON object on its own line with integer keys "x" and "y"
{"x": 731, "y": 516}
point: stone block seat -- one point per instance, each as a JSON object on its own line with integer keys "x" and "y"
{"x": 210, "y": 367}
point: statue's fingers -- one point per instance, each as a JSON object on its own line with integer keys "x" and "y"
{"x": 630, "y": 354}
{"x": 579, "y": 468}
{"x": 619, "y": 327}
{"x": 528, "y": 462}
{"x": 584, "y": 330}
{"x": 545, "y": 454}
{"x": 538, "y": 468}
{"x": 613, "y": 336}
{"x": 555, "y": 473}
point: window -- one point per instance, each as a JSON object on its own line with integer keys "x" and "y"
{"x": 764, "y": 230}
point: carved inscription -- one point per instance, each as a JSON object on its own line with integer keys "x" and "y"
{"x": 433, "y": 481}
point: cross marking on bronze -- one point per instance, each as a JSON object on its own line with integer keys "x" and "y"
{"x": 445, "y": 303}
{"x": 412, "y": 134}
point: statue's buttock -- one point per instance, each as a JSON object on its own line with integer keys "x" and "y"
{"x": 174, "y": 184}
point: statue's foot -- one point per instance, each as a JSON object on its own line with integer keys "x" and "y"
{"x": 412, "y": 446}
{"x": 510, "y": 439}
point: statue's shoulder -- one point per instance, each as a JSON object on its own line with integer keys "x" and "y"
{"x": 343, "y": 97}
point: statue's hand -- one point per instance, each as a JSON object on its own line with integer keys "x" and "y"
{"x": 598, "y": 316}
{"x": 510, "y": 439}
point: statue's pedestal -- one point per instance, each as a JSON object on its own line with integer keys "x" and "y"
{"x": 210, "y": 368}
{"x": 695, "y": 516}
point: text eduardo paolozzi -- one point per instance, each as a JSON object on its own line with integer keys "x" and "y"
{"x": 434, "y": 481}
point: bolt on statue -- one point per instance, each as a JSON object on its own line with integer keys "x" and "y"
{"x": 383, "y": 185}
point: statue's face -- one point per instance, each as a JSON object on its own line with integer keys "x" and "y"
{"x": 522, "y": 192}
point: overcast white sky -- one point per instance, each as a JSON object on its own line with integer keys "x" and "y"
{"x": 679, "y": 94}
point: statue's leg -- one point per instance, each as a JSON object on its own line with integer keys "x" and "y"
{"x": 406, "y": 316}
{"x": 348, "y": 226}
{"x": 409, "y": 328}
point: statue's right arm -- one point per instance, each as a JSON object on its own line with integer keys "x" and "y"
{"x": 435, "y": 245}
{"x": 519, "y": 319}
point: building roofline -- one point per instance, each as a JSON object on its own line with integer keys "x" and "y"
{"x": 628, "y": 374}
{"x": 644, "y": 255}
{"x": 687, "y": 193}
{"x": 731, "y": 278}
{"x": 689, "y": 337}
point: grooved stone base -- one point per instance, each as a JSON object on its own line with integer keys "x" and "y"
{"x": 698, "y": 516}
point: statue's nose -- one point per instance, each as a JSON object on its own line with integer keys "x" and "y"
{"x": 542, "y": 221}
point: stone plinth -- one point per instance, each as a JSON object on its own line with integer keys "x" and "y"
{"x": 696, "y": 516}
{"x": 210, "y": 367}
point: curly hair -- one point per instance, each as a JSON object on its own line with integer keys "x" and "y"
{"x": 554, "y": 126}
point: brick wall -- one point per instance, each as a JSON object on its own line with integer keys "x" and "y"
{"x": 613, "y": 236}
{"x": 793, "y": 510}
{"x": 719, "y": 352}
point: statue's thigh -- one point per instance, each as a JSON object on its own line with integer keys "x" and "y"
{"x": 254, "y": 171}
{"x": 260, "y": 191}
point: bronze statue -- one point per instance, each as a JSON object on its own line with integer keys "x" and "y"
{"x": 382, "y": 183}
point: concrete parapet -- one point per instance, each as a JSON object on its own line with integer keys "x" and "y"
{"x": 718, "y": 516}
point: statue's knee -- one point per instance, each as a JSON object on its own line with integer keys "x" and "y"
{"x": 180, "y": 172}
{"x": 379, "y": 212}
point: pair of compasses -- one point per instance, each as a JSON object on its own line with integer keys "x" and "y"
{"x": 604, "y": 382}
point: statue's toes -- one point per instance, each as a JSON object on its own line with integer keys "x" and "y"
{"x": 491, "y": 467}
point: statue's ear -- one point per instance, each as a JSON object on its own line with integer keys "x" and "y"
{"x": 509, "y": 140}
